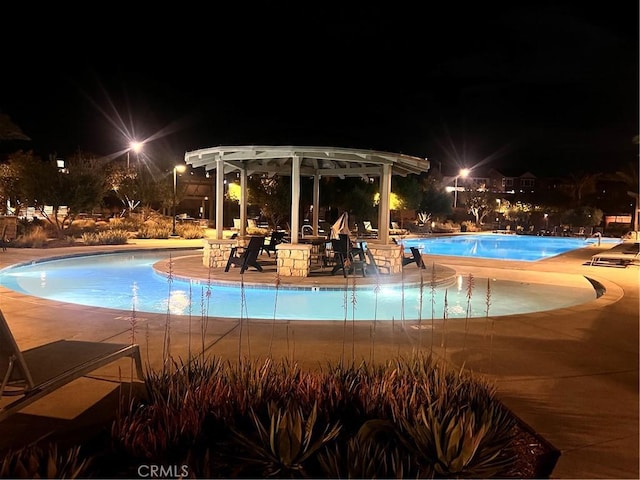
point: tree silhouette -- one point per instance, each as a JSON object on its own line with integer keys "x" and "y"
{"x": 629, "y": 176}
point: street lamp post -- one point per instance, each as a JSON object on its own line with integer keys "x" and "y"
{"x": 176, "y": 169}
{"x": 136, "y": 147}
{"x": 463, "y": 173}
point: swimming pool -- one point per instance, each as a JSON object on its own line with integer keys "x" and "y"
{"x": 526, "y": 248}
{"x": 128, "y": 281}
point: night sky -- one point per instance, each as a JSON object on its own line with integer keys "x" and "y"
{"x": 550, "y": 87}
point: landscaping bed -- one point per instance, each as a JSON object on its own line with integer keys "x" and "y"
{"x": 215, "y": 419}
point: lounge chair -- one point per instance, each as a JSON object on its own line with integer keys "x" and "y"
{"x": 366, "y": 230}
{"x": 245, "y": 257}
{"x": 275, "y": 239}
{"x": 35, "y": 373}
{"x": 622, "y": 255}
{"x": 397, "y": 230}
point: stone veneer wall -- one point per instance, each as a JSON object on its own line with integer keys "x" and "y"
{"x": 388, "y": 257}
{"x": 216, "y": 252}
{"x": 293, "y": 260}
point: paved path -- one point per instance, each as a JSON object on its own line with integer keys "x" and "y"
{"x": 572, "y": 374}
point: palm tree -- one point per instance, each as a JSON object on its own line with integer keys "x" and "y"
{"x": 581, "y": 184}
{"x": 629, "y": 176}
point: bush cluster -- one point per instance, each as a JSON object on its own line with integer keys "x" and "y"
{"x": 106, "y": 237}
{"x": 190, "y": 230}
{"x": 38, "y": 234}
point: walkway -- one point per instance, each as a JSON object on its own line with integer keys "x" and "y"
{"x": 572, "y": 374}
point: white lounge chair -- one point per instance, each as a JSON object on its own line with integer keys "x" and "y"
{"x": 35, "y": 373}
{"x": 367, "y": 230}
{"x": 622, "y": 255}
{"x": 397, "y": 230}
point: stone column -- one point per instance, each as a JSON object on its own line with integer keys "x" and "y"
{"x": 216, "y": 252}
{"x": 293, "y": 259}
{"x": 388, "y": 257}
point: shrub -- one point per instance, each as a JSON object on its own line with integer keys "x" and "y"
{"x": 90, "y": 238}
{"x": 113, "y": 237}
{"x": 130, "y": 224}
{"x": 190, "y": 230}
{"x": 35, "y": 237}
{"x": 470, "y": 226}
{"x": 68, "y": 240}
{"x": 84, "y": 225}
{"x": 25, "y": 225}
{"x": 153, "y": 230}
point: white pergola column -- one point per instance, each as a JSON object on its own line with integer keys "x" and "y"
{"x": 316, "y": 203}
{"x": 243, "y": 202}
{"x": 295, "y": 198}
{"x": 384, "y": 215}
{"x": 219, "y": 197}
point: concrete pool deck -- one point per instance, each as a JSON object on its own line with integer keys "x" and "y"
{"x": 572, "y": 374}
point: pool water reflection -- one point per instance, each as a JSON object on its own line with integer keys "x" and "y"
{"x": 527, "y": 248}
{"x": 127, "y": 281}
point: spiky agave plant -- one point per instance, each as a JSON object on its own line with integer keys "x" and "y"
{"x": 282, "y": 445}
{"x": 34, "y": 461}
{"x": 461, "y": 443}
{"x": 373, "y": 452}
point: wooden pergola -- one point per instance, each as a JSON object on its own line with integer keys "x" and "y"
{"x": 303, "y": 161}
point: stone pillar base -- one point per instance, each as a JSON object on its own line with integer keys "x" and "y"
{"x": 216, "y": 252}
{"x": 293, "y": 259}
{"x": 388, "y": 257}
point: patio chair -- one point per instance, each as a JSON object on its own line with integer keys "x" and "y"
{"x": 414, "y": 257}
{"x": 371, "y": 265}
{"x": 35, "y": 373}
{"x": 245, "y": 257}
{"x": 3, "y": 239}
{"x": 346, "y": 257}
{"x": 275, "y": 239}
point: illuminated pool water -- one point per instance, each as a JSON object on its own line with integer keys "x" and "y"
{"x": 527, "y": 248}
{"x": 127, "y": 281}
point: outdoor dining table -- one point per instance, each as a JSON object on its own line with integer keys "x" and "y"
{"x": 318, "y": 247}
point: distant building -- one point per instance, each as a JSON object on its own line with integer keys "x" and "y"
{"x": 495, "y": 181}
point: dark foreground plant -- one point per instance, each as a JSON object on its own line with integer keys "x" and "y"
{"x": 281, "y": 446}
{"x": 403, "y": 419}
{"x": 36, "y": 461}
